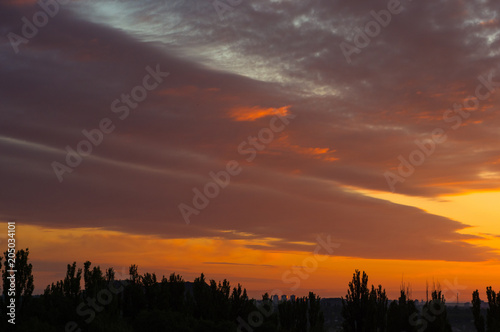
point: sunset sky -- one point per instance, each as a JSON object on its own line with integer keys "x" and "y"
{"x": 321, "y": 123}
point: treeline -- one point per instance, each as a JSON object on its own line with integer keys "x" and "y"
{"x": 148, "y": 303}
{"x": 492, "y": 321}
{"x": 367, "y": 310}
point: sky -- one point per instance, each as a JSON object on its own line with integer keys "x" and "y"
{"x": 278, "y": 144}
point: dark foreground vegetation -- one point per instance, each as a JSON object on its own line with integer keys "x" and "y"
{"x": 147, "y": 303}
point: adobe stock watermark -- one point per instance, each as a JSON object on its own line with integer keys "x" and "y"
{"x": 293, "y": 276}
{"x": 221, "y": 179}
{"x": 363, "y": 38}
{"x": 30, "y": 28}
{"x": 92, "y": 305}
{"x": 435, "y": 307}
{"x": 94, "y": 137}
{"x": 455, "y": 116}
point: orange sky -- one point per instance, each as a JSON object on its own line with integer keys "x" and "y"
{"x": 272, "y": 271}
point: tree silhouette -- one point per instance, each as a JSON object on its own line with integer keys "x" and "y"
{"x": 146, "y": 304}
{"x": 476, "y": 312}
{"x": 270, "y": 323}
{"x": 240, "y": 303}
{"x": 134, "y": 299}
{"x": 202, "y": 301}
{"x": 151, "y": 290}
{"x": 219, "y": 298}
{"x": 493, "y": 311}
{"x": 316, "y": 318}
{"x": 94, "y": 280}
{"x": 24, "y": 285}
{"x": 400, "y": 312}
{"x": 293, "y": 315}
{"x": 437, "y": 309}
{"x": 71, "y": 283}
{"x": 174, "y": 288}
{"x": 355, "y": 307}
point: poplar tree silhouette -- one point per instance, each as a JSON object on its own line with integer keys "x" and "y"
{"x": 23, "y": 283}
{"x": 476, "y": 312}
{"x": 492, "y": 312}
